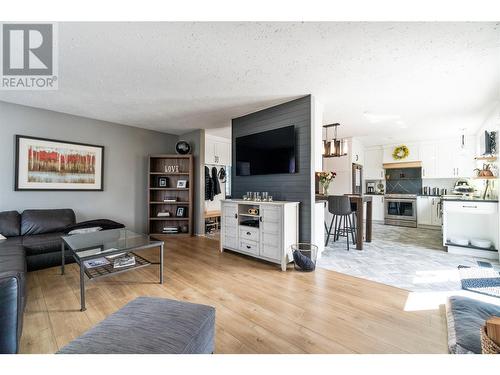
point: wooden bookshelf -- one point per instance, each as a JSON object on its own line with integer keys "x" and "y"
{"x": 172, "y": 168}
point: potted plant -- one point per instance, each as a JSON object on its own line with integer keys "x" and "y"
{"x": 324, "y": 179}
{"x": 485, "y": 172}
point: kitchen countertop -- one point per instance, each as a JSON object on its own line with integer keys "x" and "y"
{"x": 469, "y": 200}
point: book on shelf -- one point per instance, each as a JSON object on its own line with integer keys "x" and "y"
{"x": 163, "y": 214}
{"x": 170, "y": 230}
{"x": 169, "y": 200}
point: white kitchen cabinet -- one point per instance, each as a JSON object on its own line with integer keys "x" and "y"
{"x": 429, "y": 211}
{"x": 453, "y": 161}
{"x": 440, "y": 159}
{"x": 274, "y": 230}
{"x": 377, "y": 208}
{"x": 465, "y": 163}
{"x": 357, "y": 152}
{"x": 468, "y": 220}
{"x": 373, "y": 169}
{"x": 446, "y": 151}
{"x": 222, "y": 152}
{"x": 229, "y": 228}
{"x": 217, "y": 151}
{"x": 414, "y": 154}
{"x": 424, "y": 211}
{"x": 436, "y": 216}
{"x": 428, "y": 156}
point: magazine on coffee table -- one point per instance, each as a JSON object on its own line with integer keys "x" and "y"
{"x": 93, "y": 263}
{"x": 125, "y": 261}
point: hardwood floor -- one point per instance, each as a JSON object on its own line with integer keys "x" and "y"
{"x": 259, "y": 309}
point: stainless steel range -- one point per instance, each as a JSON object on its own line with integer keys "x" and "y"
{"x": 400, "y": 210}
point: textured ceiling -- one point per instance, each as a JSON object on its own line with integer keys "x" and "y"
{"x": 379, "y": 80}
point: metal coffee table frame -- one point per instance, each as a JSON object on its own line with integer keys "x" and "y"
{"x": 152, "y": 244}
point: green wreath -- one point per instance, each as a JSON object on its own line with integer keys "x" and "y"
{"x": 400, "y": 152}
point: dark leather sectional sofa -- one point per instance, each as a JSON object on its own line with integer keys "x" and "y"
{"x": 33, "y": 242}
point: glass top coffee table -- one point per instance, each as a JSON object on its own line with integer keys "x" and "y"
{"x": 96, "y": 253}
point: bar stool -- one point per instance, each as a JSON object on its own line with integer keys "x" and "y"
{"x": 340, "y": 208}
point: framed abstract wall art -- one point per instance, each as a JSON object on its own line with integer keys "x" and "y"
{"x": 49, "y": 164}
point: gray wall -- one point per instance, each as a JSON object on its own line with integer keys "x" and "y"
{"x": 197, "y": 141}
{"x": 289, "y": 187}
{"x": 126, "y": 151}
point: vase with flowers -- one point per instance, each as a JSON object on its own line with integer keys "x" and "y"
{"x": 324, "y": 179}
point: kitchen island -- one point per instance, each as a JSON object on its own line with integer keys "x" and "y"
{"x": 470, "y": 227}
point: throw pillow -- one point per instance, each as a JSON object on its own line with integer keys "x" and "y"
{"x": 85, "y": 230}
{"x": 104, "y": 224}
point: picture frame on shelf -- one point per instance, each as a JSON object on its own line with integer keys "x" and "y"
{"x": 162, "y": 181}
{"x": 182, "y": 184}
{"x": 180, "y": 212}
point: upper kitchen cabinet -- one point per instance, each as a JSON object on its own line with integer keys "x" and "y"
{"x": 357, "y": 151}
{"x": 465, "y": 162}
{"x": 455, "y": 160}
{"x": 217, "y": 150}
{"x": 446, "y": 152}
{"x": 373, "y": 169}
{"x": 414, "y": 154}
{"x": 428, "y": 157}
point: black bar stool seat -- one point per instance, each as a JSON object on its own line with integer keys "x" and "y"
{"x": 343, "y": 216}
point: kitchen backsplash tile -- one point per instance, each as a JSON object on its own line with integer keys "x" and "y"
{"x": 403, "y": 186}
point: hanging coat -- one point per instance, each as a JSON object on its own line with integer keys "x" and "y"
{"x": 209, "y": 185}
{"x": 215, "y": 181}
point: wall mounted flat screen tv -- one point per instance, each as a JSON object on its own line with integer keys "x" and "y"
{"x": 270, "y": 152}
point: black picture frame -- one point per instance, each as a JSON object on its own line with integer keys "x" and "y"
{"x": 180, "y": 212}
{"x": 19, "y": 187}
{"x": 163, "y": 182}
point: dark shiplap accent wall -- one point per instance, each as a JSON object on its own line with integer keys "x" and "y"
{"x": 288, "y": 187}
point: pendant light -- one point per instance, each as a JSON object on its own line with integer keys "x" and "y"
{"x": 336, "y": 147}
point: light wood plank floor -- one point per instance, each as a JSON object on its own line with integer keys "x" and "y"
{"x": 259, "y": 309}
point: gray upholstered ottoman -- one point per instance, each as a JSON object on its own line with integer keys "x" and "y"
{"x": 150, "y": 326}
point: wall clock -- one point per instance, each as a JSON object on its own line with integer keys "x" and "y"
{"x": 182, "y": 148}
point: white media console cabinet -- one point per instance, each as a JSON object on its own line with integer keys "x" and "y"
{"x": 264, "y": 230}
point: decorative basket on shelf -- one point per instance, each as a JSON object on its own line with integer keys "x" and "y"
{"x": 488, "y": 346}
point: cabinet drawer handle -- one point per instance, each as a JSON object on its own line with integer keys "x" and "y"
{"x": 260, "y": 218}
{"x": 235, "y": 216}
{"x": 249, "y": 233}
{"x": 249, "y": 247}
{"x": 469, "y": 206}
